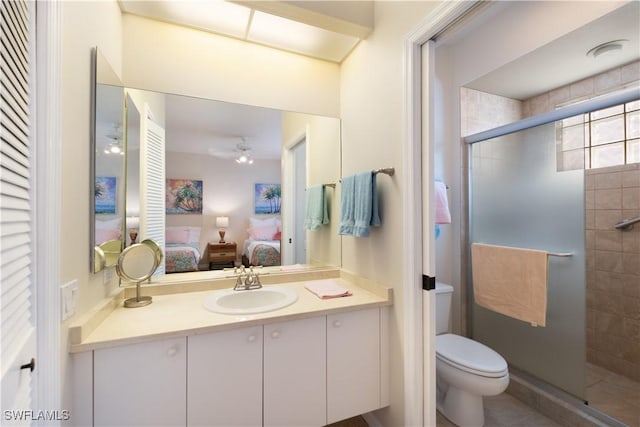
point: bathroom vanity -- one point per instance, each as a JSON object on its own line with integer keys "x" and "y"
{"x": 175, "y": 363}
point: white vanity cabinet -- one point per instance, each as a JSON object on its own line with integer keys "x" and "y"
{"x": 305, "y": 372}
{"x": 294, "y": 374}
{"x": 353, "y": 363}
{"x": 224, "y": 378}
{"x": 141, "y": 384}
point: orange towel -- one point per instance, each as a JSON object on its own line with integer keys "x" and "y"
{"x": 511, "y": 281}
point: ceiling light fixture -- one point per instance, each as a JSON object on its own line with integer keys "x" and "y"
{"x": 244, "y": 158}
{"x": 115, "y": 146}
{"x": 607, "y": 48}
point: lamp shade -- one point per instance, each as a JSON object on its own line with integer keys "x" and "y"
{"x": 222, "y": 221}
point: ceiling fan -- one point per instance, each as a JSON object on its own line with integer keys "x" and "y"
{"x": 241, "y": 153}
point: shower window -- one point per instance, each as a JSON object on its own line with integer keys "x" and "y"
{"x": 602, "y": 138}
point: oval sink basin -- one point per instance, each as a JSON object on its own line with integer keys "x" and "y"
{"x": 261, "y": 300}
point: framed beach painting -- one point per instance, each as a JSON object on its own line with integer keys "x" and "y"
{"x": 267, "y": 198}
{"x": 184, "y": 196}
{"x": 105, "y": 194}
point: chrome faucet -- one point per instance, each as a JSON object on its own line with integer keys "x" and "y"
{"x": 251, "y": 279}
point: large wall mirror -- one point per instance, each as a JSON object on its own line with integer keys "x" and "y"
{"x": 196, "y": 167}
{"x": 107, "y": 164}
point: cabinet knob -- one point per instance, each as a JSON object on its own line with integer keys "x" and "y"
{"x": 251, "y": 338}
{"x": 337, "y": 323}
{"x": 275, "y": 334}
{"x": 172, "y": 351}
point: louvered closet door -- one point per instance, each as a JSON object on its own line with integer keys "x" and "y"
{"x": 17, "y": 331}
{"x": 152, "y": 181}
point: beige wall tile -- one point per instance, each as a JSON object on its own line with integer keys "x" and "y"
{"x": 631, "y": 198}
{"x": 608, "y": 240}
{"x": 608, "y": 199}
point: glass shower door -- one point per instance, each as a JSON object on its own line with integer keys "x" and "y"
{"x": 517, "y": 198}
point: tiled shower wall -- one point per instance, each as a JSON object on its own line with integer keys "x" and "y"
{"x": 613, "y": 269}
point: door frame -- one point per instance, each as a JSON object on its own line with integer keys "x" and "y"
{"x": 47, "y": 386}
{"x": 288, "y": 208}
{"x": 419, "y": 389}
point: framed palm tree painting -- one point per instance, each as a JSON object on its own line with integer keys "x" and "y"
{"x": 267, "y": 198}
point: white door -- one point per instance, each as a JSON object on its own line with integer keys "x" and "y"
{"x": 152, "y": 182}
{"x": 300, "y": 185}
{"x": 18, "y": 331}
{"x": 428, "y": 233}
{"x": 353, "y": 363}
{"x": 295, "y": 366}
{"x": 224, "y": 378}
{"x": 141, "y": 384}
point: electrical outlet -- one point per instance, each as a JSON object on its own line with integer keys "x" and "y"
{"x": 69, "y": 294}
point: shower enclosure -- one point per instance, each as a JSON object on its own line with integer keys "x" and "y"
{"x": 518, "y": 198}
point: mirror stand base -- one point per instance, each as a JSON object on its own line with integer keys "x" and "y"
{"x": 137, "y": 302}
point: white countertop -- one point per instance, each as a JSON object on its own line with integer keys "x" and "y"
{"x": 183, "y": 314}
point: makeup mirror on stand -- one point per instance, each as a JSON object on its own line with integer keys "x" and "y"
{"x": 137, "y": 263}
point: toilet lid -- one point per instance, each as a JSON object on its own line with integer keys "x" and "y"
{"x": 470, "y": 356}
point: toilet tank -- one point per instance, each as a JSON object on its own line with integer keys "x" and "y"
{"x": 444, "y": 293}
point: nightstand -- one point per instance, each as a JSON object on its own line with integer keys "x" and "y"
{"x": 221, "y": 254}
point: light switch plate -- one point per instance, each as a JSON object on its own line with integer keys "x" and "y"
{"x": 69, "y": 294}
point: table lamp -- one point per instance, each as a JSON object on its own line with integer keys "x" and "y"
{"x": 222, "y": 222}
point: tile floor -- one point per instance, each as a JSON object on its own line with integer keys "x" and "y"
{"x": 505, "y": 410}
{"x": 613, "y": 394}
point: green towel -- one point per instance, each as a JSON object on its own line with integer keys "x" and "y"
{"x": 316, "y": 213}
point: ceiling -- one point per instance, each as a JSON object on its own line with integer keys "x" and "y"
{"x": 565, "y": 60}
{"x": 203, "y": 126}
{"x": 323, "y": 30}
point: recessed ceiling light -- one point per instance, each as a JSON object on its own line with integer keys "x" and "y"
{"x": 607, "y": 48}
{"x": 283, "y": 33}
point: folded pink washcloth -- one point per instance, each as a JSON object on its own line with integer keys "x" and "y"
{"x": 327, "y": 289}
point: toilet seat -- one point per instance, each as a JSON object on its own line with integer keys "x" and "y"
{"x": 455, "y": 350}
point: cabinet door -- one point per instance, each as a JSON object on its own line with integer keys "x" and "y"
{"x": 141, "y": 384}
{"x": 353, "y": 363}
{"x": 295, "y": 373}
{"x": 224, "y": 377}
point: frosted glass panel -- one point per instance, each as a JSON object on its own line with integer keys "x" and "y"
{"x": 519, "y": 199}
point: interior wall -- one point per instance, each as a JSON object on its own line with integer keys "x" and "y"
{"x": 372, "y": 105}
{"x": 172, "y": 59}
{"x": 85, "y": 25}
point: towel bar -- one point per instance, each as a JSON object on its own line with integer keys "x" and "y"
{"x": 563, "y": 254}
{"x": 332, "y": 185}
{"x": 388, "y": 171}
{"x": 627, "y": 224}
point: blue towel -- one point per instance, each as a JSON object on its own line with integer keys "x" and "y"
{"x": 359, "y": 205}
{"x": 347, "y": 203}
{"x": 316, "y": 213}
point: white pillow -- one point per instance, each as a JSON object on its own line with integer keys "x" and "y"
{"x": 111, "y": 224}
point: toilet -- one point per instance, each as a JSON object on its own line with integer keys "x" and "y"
{"x": 466, "y": 370}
